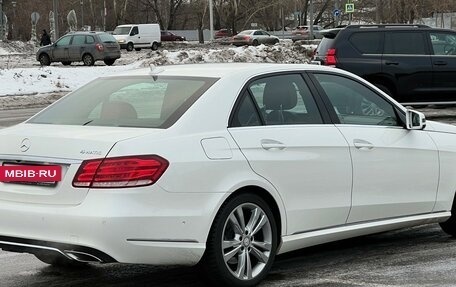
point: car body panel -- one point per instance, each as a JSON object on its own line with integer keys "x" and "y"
{"x": 318, "y": 181}
{"x": 307, "y": 150}
{"x": 384, "y": 175}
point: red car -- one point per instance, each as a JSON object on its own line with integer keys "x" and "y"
{"x": 168, "y": 36}
{"x": 223, "y": 33}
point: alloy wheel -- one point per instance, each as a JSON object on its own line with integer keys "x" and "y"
{"x": 247, "y": 241}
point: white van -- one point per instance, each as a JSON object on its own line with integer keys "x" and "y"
{"x": 137, "y": 36}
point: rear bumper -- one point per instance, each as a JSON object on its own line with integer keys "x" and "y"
{"x": 143, "y": 227}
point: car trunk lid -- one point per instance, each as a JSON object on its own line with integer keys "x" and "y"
{"x": 64, "y": 146}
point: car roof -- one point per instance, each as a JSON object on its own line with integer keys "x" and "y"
{"x": 86, "y": 33}
{"x": 220, "y": 70}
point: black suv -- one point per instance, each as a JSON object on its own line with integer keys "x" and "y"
{"x": 415, "y": 64}
{"x": 87, "y": 47}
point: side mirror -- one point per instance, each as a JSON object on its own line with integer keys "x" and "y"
{"x": 415, "y": 120}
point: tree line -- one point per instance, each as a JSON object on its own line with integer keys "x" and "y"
{"x": 235, "y": 15}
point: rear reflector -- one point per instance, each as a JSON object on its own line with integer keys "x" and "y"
{"x": 331, "y": 59}
{"x": 117, "y": 172}
{"x": 99, "y": 47}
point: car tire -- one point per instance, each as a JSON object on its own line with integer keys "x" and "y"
{"x": 66, "y": 63}
{"x": 154, "y": 46}
{"x": 44, "y": 60}
{"x": 449, "y": 226}
{"x": 130, "y": 47}
{"x": 242, "y": 242}
{"x": 109, "y": 62}
{"x": 255, "y": 43}
{"x": 58, "y": 260}
{"x": 276, "y": 41}
{"x": 88, "y": 60}
{"x": 138, "y": 49}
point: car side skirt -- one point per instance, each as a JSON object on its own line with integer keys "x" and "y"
{"x": 316, "y": 237}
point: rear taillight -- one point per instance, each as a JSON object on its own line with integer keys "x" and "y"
{"x": 99, "y": 47}
{"x": 115, "y": 172}
{"x": 331, "y": 59}
{"x": 246, "y": 38}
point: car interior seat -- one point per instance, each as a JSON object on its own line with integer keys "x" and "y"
{"x": 118, "y": 110}
{"x": 279, "y": 98}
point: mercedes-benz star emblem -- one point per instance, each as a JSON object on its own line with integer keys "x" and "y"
{"x": 25, "y": 145}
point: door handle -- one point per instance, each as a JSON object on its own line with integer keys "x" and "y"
{"x": 440, "y": 63}
{"x": 269, "y": 144}
{"x": 391, "y": 63}
{"x": 362, "y": 144}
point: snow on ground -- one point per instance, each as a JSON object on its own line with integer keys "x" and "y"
{"x": 24, "y": 81}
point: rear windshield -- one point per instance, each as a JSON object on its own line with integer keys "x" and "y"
{"x": 324, "y": 45}
{"x": 246, "y": 32}
{"x": 122, "y": 31}
{"x": 107, "y": 38}
{"x": 144, "y": 102}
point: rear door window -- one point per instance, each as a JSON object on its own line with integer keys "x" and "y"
{"x": 78, "y": 40}
{"x": 367, "y": 42}
{"x": 405, "y": 43}
{"x": 443, "y": 43}
{"x": 285, "y": 100}
{"x": 90, "y": 40}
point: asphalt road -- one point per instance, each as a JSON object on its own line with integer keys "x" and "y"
{"x": 419, "y": 256}
{"x": 11, "y": 117}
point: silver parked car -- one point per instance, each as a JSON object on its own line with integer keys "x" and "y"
{"x": 254, "y": 37}
{"x": 87, "y": 47}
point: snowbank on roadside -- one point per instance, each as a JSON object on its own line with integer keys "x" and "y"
{"x": 280, "y": 53}
{"x": 31, "y": 81}
{"x": 16, "y": 48}
{"x": 24, "y": 83}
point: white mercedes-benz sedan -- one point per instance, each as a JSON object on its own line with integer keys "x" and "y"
{"x": 226, "y": 165}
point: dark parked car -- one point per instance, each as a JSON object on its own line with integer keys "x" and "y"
{"x": 87, "y": 47}
{"x": 254, "y": 37}
{"x": 168, "y": 36}
{"x": 415, "y": 64}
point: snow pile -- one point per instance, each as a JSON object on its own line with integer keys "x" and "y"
{"x": 16, "y": 48}
{"x": 280, "y": 53}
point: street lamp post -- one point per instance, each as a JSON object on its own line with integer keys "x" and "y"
{"x": 14, "y": 19}
{"x": 82, "y": 14}
{"x": 211, "y": 18}
{"x": 55, "y": 5}
{"x": 1, "y": 20}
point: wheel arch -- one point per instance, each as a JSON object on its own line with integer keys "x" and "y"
{"x": 271, "y": 198}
